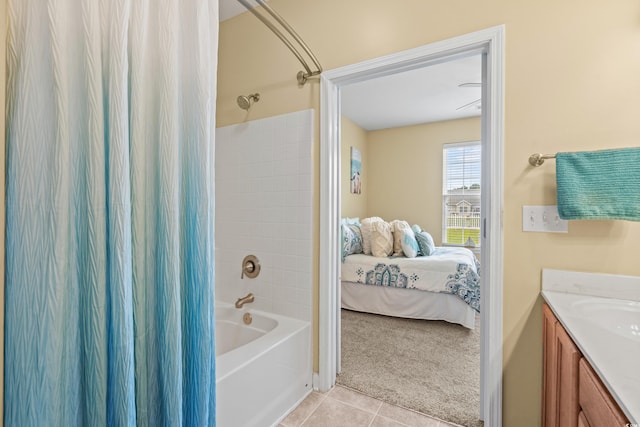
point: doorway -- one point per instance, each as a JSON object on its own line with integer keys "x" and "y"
{"x": 490, "y": 44}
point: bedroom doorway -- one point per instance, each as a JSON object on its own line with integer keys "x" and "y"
{"x": 489, "y": 45}
{"x": 417, "y": 134}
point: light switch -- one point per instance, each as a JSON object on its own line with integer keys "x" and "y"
{"x": 544, "y": 219}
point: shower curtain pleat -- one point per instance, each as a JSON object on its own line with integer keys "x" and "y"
{"x": 109, "y": 269}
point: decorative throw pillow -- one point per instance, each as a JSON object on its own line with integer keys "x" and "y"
{"x": 365, "y": 228}
{"x": 381, "y": 239}
{"x": 425, "y": 241}
{"x": 349, "y": 221}
{"x": 416, "y": 229}
{"x": 398, "y": 227}
{"x": 409, "y": 243}
{"x": 351, "y": 240}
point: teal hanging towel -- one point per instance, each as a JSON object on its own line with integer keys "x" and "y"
{"x": 599, "y": 184}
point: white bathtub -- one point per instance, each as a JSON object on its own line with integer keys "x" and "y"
{"x": 263, "y": 370}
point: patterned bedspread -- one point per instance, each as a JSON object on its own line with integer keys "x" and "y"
{"x": 450, "y": 270}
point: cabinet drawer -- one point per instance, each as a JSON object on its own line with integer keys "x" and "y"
{"x": 597, "y": 404}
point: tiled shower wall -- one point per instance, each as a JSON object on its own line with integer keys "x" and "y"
{"x": 263, "y": 207}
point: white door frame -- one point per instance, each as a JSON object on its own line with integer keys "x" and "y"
{"x": 490, "y": 42}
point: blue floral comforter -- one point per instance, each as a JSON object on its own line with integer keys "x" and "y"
{"x": 450, "y": 270}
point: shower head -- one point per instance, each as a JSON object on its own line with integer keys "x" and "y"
{"x": 244, "y": 102}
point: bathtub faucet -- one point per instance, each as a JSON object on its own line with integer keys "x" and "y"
{"x": 244, "y": 300}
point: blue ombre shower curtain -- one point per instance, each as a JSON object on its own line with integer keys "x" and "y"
{"x": 110, "y": 198}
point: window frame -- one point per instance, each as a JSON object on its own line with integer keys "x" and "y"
{"x": 472, "y": 212}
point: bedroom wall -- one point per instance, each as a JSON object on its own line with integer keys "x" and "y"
{"x": 407, "y": 183}
{"x": 571, "y": 83}
{"x": 353, "y": 205}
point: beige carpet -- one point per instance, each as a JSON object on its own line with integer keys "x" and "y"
{"x": 431, "y": 367}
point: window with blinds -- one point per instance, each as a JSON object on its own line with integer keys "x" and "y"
{"x": 461, "y": 193}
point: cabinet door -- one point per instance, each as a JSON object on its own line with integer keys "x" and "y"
{"x": 568, "y": 360}
{"x": 549, "y": 401}
{"x": 560, "y": 389}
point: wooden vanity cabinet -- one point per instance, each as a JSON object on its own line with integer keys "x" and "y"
{"x": 572, "y": 393}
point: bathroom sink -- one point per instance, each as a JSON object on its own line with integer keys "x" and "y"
{"x": 618, "y": 316}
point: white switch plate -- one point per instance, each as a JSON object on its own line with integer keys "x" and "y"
{"x": 544, "y": 219}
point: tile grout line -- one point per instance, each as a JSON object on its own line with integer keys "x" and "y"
{"x": 375, "y": 415}
{"x": 323, "y": 398}
{"x": 377, "y": 412}
{"x": 356, "y": 407}
{"x": 441, "y": 422}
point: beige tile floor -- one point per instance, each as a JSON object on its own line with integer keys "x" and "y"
{"x": 342, "y": 406}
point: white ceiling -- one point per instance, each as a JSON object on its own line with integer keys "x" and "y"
{"x": 428, "y": 94}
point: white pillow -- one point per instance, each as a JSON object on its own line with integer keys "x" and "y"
{"x": 409, "y": 243}
{"x": 397, "y": 228}
{"x": 381, "y": 239}
{"x": 365, "y": 229}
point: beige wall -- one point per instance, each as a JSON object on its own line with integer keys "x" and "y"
{"x": 352, "y": 135}
{"x": 571, "y": 84}
{"x": 406, "y": 170}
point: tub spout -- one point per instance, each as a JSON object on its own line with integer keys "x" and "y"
{"x": 244, "y": 300}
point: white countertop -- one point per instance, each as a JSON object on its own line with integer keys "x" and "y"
{"x": 615, "y": 358}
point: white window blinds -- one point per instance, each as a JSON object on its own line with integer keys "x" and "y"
{"x": 461, "y": 193}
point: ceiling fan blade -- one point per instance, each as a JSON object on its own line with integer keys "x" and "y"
{"x": 469, "y": 104}
{"x": 470, "y": 85}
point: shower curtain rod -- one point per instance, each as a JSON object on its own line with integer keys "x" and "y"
{"x": 302, "y": 76}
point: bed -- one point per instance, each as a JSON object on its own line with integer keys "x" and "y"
{"x": 442, "y": 286}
